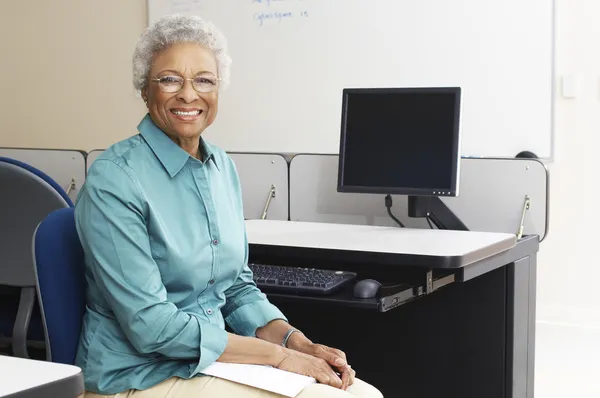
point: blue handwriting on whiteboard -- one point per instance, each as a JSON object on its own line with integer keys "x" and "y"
{"x": 261, "y": 17}
{"x": 267, "y": 2}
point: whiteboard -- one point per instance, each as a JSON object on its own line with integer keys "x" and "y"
{"x": 292, "y": 58}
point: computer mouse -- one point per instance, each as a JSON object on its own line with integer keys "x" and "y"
{"x": 366, "y": 288}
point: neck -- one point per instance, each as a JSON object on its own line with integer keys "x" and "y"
{"x": 191, "y": 146}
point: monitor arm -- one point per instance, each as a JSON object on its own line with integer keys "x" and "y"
{"x": 433, "y": 208}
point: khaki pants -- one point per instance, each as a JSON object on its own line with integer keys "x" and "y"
{"x": 212, "y": 387}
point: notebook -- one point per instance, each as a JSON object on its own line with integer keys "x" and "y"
{"x": 264, "y": 377}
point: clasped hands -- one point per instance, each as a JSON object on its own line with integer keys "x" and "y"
{"x": 327, "y": 365}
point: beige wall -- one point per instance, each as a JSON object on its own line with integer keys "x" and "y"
{"x": 66, "y": 72}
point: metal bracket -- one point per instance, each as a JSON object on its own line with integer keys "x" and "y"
{"x": 526, "y": 206}
{"x": 429, "y": 282}
{"x": 269, "y": 197}
{"x": 71, "y": 186}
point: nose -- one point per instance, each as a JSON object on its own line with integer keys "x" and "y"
{"x": 187, "y": 93}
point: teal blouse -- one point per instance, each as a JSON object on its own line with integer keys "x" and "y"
{"x": 165, "y": 263}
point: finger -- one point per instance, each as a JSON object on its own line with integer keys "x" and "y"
{"x": 330, "y": 355}
{"x": 322, "y": 378}
{"x": 333, "y": 379}
{"x": 352, "y": 373}
{"x": 341, "y": 354}
{"x": 329, "y": 378}
{"x": 345, "y": 379}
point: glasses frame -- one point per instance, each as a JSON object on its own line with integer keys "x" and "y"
{"x": 157, "y": 80}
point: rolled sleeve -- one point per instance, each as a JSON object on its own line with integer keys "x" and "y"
{"x": 212, "y": 345}
{"x": 249, "y": 317}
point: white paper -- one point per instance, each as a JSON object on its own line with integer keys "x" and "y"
{"x": 259, "y": 376}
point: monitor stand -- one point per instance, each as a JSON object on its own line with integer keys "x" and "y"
{"x": 436, "y": 210}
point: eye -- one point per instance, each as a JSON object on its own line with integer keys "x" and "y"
{"x": 205, "y": 80}
{"x": 170, "y": 80}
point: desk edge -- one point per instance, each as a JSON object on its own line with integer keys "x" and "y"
{"x": 381, "y": 258}
{"x": 69, "y": 387}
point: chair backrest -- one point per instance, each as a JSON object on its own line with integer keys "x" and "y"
{"x": 42, "y": 175}
{"x": 27, "y": 195}
{"x": 59, "y": 271}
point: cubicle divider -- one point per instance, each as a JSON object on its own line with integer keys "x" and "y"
{"x": 91, "y": 156}
{"x": 66, "y": 167}
{"x": 495, "y": 195}
{"x": 264, "y": 180}
{"x": 265, "y": 185}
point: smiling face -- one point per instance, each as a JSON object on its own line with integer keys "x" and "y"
{"x": 185, "y": 114}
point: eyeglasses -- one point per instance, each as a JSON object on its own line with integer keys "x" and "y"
{"x": 173, "y": 84}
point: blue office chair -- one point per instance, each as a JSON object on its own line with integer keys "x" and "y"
{"x": 42, "y": 175}
{"x": 27, "y": 196}
{"x": 59, "y": 272}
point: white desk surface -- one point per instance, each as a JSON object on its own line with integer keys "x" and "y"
{"x": 376, "y": 239}
{"x": 17, "y": 374}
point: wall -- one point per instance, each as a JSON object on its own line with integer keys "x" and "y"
{"x": 568, "y": 261}
{"x": 66, "y": 83}
{"x": 569, "y": 266}
{"x": 66, "y": 72}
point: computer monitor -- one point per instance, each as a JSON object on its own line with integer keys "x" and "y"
{"x": 403, "y": 141}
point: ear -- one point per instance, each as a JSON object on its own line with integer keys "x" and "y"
{"x": 144, "y": 94}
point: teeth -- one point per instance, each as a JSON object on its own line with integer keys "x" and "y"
{"x": 181, "y": 113}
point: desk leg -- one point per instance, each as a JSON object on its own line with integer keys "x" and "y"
{"x": 521, "y": 295}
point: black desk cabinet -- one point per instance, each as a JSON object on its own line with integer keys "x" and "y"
{"x": 465, "y": 332}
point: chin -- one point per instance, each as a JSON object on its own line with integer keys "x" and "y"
{"x": 188, "y": 129}
{"x": 189, "y": 132}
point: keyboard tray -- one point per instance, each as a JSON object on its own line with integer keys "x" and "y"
{"x": 403, "y": 294}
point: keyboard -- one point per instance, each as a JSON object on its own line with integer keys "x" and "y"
{"x": 276, "y": 278}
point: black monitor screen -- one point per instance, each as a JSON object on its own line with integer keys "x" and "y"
{"x": 400, "y": 141}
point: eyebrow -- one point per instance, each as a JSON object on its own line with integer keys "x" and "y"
{"x": 179, "y": 74}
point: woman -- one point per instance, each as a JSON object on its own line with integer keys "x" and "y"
{"x": 161, "y": 222}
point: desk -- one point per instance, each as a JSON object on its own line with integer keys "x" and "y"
{"x": 463, "y": 326}
{"x": 25, "y": 378}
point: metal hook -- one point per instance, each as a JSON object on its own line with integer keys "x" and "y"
{"x": 71, "y": 186}
{"x": 269, "y": 197}
{"x": 526, "y": 206}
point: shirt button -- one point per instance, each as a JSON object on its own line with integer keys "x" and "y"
{"x": 209, "y": 311}
{"x": 215, "y": 242}
{"x": 211, "y": 281}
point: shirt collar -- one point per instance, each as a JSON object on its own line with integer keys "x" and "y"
{"x": 172, "y": 157}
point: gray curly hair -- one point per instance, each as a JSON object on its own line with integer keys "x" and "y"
{"x": 179, "y": 29}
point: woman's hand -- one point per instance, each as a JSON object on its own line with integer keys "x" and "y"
{"x": 334, "y": 357}
{"x": 308, "y": 365}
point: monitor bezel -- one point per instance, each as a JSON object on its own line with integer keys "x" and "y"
{"x": 451, "y": 191}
